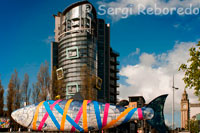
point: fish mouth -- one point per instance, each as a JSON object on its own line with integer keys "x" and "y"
{"x": 13, "y": 114}
{"x": 23, "y": 116}
{"x": 20, "y": 117}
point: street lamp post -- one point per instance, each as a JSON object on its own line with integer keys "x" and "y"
{"x": 173, "y": 87}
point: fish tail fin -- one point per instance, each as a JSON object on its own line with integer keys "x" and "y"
{"x": 158, "y": 121}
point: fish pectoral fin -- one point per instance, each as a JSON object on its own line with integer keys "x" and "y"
{"x": 38, "y": 123}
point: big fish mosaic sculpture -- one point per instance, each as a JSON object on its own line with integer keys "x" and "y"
{"x": 86, "y": 115}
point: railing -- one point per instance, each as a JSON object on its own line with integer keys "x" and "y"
{"x": 115, "y": 52}
{"x": 70, "y": 31}
{"x": 118, "y": 84}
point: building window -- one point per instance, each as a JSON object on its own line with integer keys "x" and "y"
{"x": 60, "y": 74}
{"x": 112, "y": 98}
{"x": 72, "y": 88}
{"x": 72, "y": 53}
{"x": 98, "y": 83}
{"x": 69, "y": 24}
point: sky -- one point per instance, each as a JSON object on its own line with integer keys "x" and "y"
{"x": 151, "y": 47}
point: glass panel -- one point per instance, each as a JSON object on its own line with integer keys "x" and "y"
{"x": 60, "y": 74}
{"x": 72, "y": 89}
{"x": 98, "y": 83}
{"x": 72, "y": 53}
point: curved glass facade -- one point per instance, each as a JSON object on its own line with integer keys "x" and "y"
{"x": 77, "y": 45}
{"x": 82, "y": 51}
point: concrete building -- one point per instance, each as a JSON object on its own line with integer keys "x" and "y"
{"x": 140, "y": 126}
{"x": 107, "y": 64}
{"x": 138, "y": 102}
{"x": 81, "y": 39}
{"x": 195, "y": 111}
{"x": 113, "y": 76}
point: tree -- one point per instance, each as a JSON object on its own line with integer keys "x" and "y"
{"x": 25, "y": 89}
{"x": 1, "y": 99}
{"x": 43, "y": 82}
{"x": 10, "y": 96}
{"x": 194, "y": 127}
{"x": 13, "y": 97}
{"x": 88, "y": 89}
{"x": 17, "y": 90}
{"x": 14, "y": 93}
{"x": 192, "y": 70}
{"x": 57, "y": 91}
{"x": 35, "y": 93}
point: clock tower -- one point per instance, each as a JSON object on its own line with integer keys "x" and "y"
{"x": 184, "y": 109}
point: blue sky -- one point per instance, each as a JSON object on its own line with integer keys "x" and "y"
{"x": 27, "y": 28}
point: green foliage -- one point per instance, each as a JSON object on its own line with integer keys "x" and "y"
{"x": 194, "y": 127}
{"x": 192, "y": 70}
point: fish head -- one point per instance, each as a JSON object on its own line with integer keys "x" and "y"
{"x": 24, "y": 116}
{"x": 148, "y": 113}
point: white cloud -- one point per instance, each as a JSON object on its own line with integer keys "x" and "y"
{"x": 176, "y": 25}
{"x": 49, "y": 39}
{"x": 134, "y": 53}
{"x": 183, "y": 27}
{"x": 136, "y": 5}
{"x": 153, "y": 76}
{"x": 147, "y": 59}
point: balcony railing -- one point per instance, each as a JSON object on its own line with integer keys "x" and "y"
{"x": 115, "y": 52}
{"x": 118, "y": 84}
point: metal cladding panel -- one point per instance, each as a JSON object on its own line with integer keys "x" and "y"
{"x": 75, "y": 12}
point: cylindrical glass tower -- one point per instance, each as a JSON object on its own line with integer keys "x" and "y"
{"x": 77, "y": 46}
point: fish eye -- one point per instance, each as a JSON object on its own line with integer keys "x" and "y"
{"x": 148, "y": 113}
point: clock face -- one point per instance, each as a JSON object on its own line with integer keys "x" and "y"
{"x": 184, "y": 106}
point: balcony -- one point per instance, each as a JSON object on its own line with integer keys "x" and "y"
{"x": 114, "y": 77}
{"x": 114, "y": 62}
{"x": 112, "y": 90}
{"x": 114, "y": 53}
{"x": 118, "y": 93}
{"x": 118, "y": 85}
{"x": 115, "y": 85}
{"x": 75, "y": 24}
{"x": 116, "y": 70}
